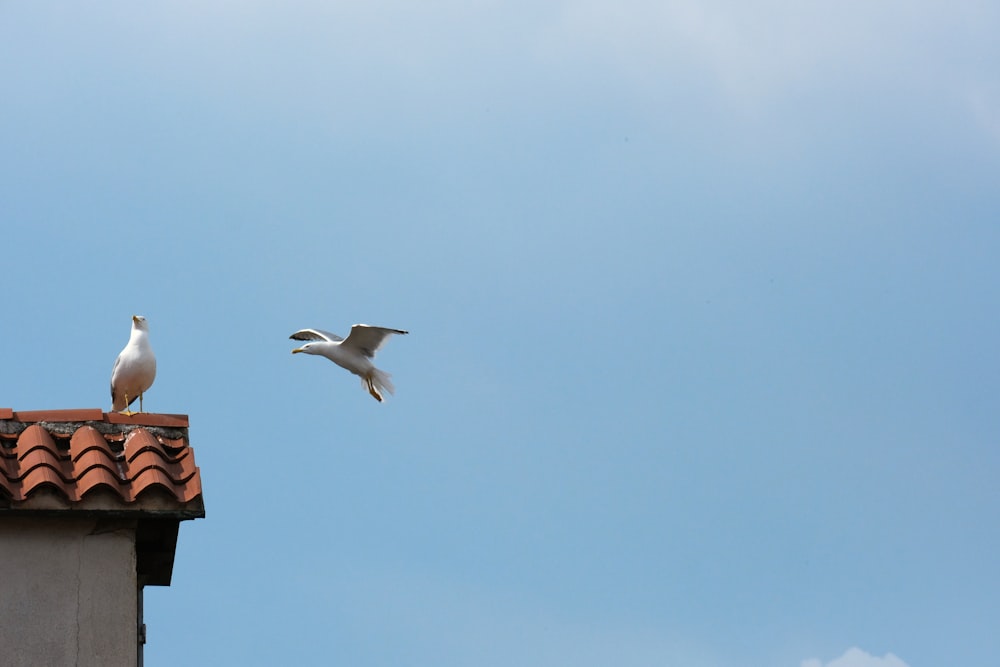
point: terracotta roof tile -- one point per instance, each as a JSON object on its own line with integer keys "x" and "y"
{"x": 78, "y": 415}
{"x": 75, "y": 452}
{"x": 95, "y": 414}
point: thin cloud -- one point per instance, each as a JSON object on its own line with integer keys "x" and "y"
{"x": 753, "y": 52}
{"x": 487, "y": 627}
{"x": 985, "y": 104}
{"x": 855, "y": 657}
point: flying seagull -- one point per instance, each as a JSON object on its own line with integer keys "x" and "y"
{"x": 135, "y": 368}
{"x": 353, "y": 353}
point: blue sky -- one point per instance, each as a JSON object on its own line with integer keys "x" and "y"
{"x": 703, "y": 301}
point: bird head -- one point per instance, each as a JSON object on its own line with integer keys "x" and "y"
{"x": 304, "y": 348}
{"x": 139, "y": 322}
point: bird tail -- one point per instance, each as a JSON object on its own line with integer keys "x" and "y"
{"x": 380, "y": 380}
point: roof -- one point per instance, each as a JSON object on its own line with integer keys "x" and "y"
{"x": 104, "y": 463}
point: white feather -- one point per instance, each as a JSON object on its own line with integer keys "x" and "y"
{"x": 134, "y": 369}
{"x": 353, "y": 353}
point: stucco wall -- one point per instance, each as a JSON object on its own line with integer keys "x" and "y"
{"x": 68, "y": 595}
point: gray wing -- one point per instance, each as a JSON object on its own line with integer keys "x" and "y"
{"x": 114, "y": 397}
{"x": 316, "y": 334}
{"x": 113, "y": 371}
{"x": 368, "y": 339}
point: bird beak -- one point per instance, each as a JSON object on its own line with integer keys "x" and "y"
{"x": 135, "y": 318}
{"x": 298, "y": 349}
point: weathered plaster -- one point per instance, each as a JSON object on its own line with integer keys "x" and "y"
{"x": 69, "y": 595}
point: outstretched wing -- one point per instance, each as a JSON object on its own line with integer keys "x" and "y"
{"x": 368, "y": 339}
{"x": 316, "y": 334}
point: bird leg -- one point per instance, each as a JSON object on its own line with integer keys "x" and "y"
{"x": 373, "y": 391}
{"x": 140, "y": 402}
{"x": 126, "y": 411}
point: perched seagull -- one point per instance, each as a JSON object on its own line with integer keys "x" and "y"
{"x": 135, "y": 368}
{"x": 353, "y": 353}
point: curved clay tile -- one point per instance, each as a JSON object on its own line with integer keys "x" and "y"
{"x": 76, "y": 462}
{"x": 94, "y": 458}
{"x": 34, "y": 437}
{"x": 40, "y": 457}
{"x": 139, "y": 439}
{"x": 97, "y": 477}
{"x": 143, "y": 449}
{"x": 177, "y": 446}
{"x": 152, "y": 477}
{"x": 40, "y": 477}
{"x": 88, "y": 439}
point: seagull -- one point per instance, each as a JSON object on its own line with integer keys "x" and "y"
{"x": 135, "y": 369}
{"x": 353, "y": 353}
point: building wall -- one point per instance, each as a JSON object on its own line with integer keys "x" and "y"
{"x": 68, "y": 592}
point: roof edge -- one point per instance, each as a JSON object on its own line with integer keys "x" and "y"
{"x": 49, "y": 503}
{"x": 95, "y": 415}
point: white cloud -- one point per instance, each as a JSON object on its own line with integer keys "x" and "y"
{"x": 855, "y": 657}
